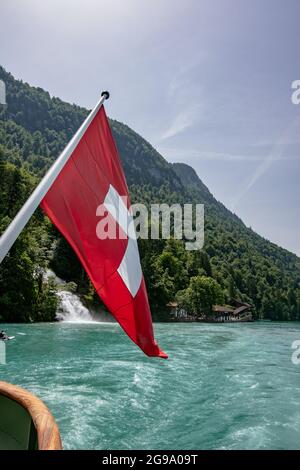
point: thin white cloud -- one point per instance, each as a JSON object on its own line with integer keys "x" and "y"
{"x": 264, "y": 166}
{"x": 194, "y": 155}
{"x": 229, "y": 157}
{"x": 182, "y": 84}
{"x": 285, "y": 140}
{"x": 261, "y": 169}
{"x": 181, "y": 90}
{"x": 184, "y": 120}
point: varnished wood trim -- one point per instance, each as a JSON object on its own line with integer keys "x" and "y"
{"x": 46, "y": 427}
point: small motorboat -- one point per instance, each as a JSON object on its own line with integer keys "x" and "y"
{"x": 7, "y": 338}
{"x": 4, "y": 336}
{"x": 25, "y": 421}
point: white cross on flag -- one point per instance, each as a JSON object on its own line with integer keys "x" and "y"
{"x": 130, "y": 267}
{"x": 93, "y": 177}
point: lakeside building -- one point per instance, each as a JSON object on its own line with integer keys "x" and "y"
{"x": 238, "y": 312}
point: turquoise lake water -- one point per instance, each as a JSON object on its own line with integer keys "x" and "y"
{"x": 224, "y": 386}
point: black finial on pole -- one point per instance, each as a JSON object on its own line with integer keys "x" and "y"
{"x": 106, "y": 94}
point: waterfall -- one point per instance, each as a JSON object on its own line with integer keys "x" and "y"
{"x": 70, "y": 308}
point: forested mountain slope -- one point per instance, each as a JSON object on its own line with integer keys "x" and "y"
{"x": 237, "y": 262}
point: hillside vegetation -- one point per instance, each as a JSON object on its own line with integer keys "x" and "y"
{"x": 237, "y": 262}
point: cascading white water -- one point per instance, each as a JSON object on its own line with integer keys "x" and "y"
{"x": 71, "y": 309}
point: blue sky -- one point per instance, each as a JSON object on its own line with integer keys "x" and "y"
{"x": 207, "y": 82}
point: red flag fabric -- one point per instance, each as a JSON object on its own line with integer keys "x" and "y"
{"x": 93, "y": 179}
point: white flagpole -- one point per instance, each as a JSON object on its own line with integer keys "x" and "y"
{"x": 18, "y": 223}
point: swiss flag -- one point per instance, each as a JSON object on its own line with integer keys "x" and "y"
{"x": 93, "y": 178}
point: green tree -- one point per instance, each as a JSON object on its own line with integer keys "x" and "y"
{"x": 200, "y": 296}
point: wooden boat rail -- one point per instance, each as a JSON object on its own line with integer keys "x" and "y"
{"x": 48, "y": 436}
